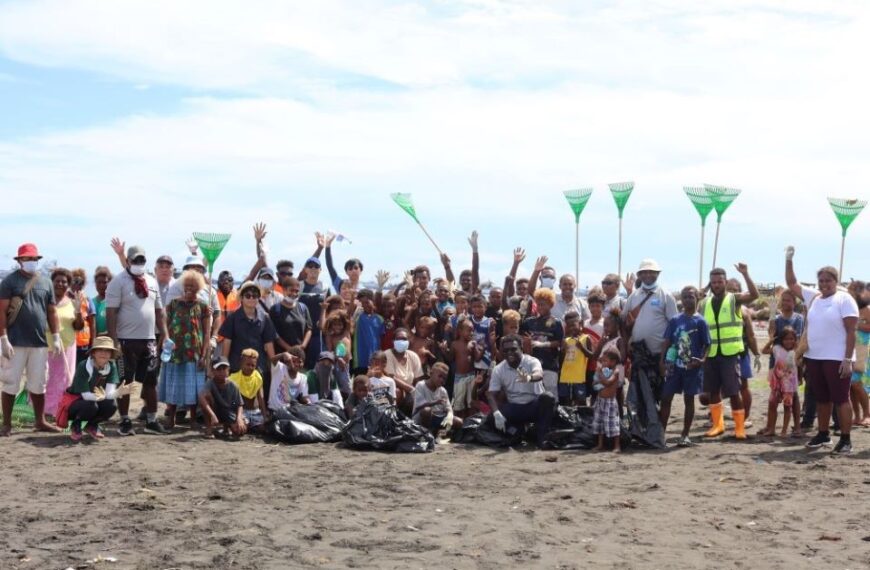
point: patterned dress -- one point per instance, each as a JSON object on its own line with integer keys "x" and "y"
{"x": 181, "y": 379}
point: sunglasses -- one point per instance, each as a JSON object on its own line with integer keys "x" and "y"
{"x": 286, "y": 273}
{"x": 250, "y": 296}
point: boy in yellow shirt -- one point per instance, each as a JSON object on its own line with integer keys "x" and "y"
{"x": 250, "y": 384}
{"x": 576, "y": 350}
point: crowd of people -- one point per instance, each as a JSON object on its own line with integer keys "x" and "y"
{"x": 435, "y": 348}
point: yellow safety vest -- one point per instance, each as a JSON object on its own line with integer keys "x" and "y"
{"x": 726, "y": 329}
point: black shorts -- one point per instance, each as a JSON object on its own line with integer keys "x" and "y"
{"x": 722, "y": 375}
{"x": 140, "y": 361}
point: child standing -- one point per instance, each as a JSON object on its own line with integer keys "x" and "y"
{"x": 783, "y": 379}
{"x": 288, "y": 383}
{"x": 368, "y": 331}
{"x": 463, "y": 353}
{"x": 687, "y": 342}
{"x": 576, "y": 350}
{"x": 609, "y": 378}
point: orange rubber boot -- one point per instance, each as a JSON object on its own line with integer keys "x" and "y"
{"x": 739, "y": 423}
{"x": 718, "y": 418}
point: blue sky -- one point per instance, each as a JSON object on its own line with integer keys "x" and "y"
{"x": 150, "y": 120}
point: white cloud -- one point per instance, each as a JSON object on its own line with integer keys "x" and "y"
{"x": 502, "y": 105}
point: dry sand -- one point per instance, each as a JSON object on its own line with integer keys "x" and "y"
{"x": 183, "y": 502}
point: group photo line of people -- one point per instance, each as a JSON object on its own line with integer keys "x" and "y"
{"x": 234, "y": 356}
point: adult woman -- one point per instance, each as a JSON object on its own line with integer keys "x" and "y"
{"x": 832, "y": 317}
{"x": 403, "y": 366}
{"x": 188, "y": 322}
{"x": 97, "y": 321}
{"x": 61, "y": 366}
{"x": 85, "y": 335}
{"x": 860, "y": 401}
{"x": 249, "y": 327}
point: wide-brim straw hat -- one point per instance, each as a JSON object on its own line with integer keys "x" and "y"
{"x": 104, "y": 343}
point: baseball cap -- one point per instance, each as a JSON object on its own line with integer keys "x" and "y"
{"x": 312, "y": 261}
{"x": 165, "y": 259}
{"x": 135, "y": 251}
{"x": 220, "y": 363}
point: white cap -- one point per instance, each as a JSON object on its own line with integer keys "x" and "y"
{"x": 649, "y": 265}
{"x": 193, "y": 260}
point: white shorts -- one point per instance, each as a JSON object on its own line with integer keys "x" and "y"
{"x": 551, "y": 382}
{"x": 29, "y": 360}
{"x": 463, "y": 391}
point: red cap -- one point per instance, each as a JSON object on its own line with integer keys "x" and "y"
{"x": 28, "y": 250}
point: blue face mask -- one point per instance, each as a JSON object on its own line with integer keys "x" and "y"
{"x": 401, "y": 346}
{"x": 650, "y": 287}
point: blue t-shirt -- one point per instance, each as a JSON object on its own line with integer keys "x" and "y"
{"x": 367, "y": 335}
{"x": 689, "y": 337}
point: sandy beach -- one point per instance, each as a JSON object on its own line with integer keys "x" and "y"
{"x": 184, "y": 502}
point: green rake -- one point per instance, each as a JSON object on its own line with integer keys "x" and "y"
{"x": 703, "y": 203}
{"x": 846, "y": 212}
{"x": 621, "y": 193}
{"x": 404, "y": 202}
{"x": 577, "y": 199}
{"x": 211, "y": 246}
{"x": 722, "y": 197}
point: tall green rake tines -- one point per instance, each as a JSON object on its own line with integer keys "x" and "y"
{"x": 211, "y": 246}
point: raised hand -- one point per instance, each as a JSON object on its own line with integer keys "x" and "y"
{"x": 409, "y": 279}
{"x": 328, "y": 239}
{"x": 118, "y": 246}
{"x": 381, "y": 277}
{"x": 741, "y": 268}
{"x": 789, "y": 253}
{"x": 319, "y": 239}
{"x": 192, "y": 245}
{"x": 541, "y": 263}
{"x": 445, "y": 261}
{"x": 629, "y": 281}
{"x": 519, "y": 255}
{"x": 472, "y": 241}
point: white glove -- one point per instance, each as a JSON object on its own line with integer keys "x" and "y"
{"x": 56, "y": 344}
{"x": 846, "y": 368}
{"x": 789, "y": 253}
{"x": 89, "y": 396}
{"x": 111, "y": 392}
{"x": 499, "y": 420}
{"x": 213, "y": 343}
{"x": 8, "y": 351}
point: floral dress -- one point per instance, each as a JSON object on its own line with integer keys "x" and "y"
{"x": 181, "y": 379}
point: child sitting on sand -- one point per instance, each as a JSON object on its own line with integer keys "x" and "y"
{"x": 381, "y": 386}
{"x": 609, "y": 378}
{"x": 783, "y": 380}
{"x": 360, "y": 393}
{"x": 432, "y": 408}
{"x": 250, "y": 384}
{"x": 221, "y": 403}
{"x": 288, "y": 383}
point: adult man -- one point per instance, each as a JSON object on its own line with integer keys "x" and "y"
{"x": 227, "y": 296}
{"x": 134, "y": 317}
{"x": 164, "y": 272}
{"x": 722, "y": 367}
{"x": 23, "y": 340}
{"x": 610, "y": 287}
{"x": 312, "y": 296}
{"x": 516, "y": 393}
{"x": 566, "y": 301}
{"x": 291, "y": 319}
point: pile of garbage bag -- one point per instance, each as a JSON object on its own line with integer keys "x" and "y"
{"x": 384, "y": 428}
{"x": 298, "y": 423}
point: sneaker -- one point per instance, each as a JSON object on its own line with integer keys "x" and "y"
{"x": 126, "y": 427}
{"x": 819, "y": 440}
{"x": 75, "y": 433}
{"x": 95, "y": 432}
{"x": 155, "y": 428}
{"x": 685, "y": 442}
{"x": 143, "y": 415}
{"x": 843, "y": 447}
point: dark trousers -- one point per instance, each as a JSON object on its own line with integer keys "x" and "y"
{"x": 540, "y": 412}
{"x": 91, "y": 413}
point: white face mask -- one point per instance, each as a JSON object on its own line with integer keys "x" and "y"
{"x": 548, "y": 282}
{"x": 265, "y": 284}
{"x": 30, "y": 266}
{"x": 649, "y": 287}
{"x": 401, "y": 346}
{"x": 137, "y": 269}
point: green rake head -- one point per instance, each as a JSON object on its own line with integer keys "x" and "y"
{"x": 722, "y": 197}
{"x": 621, "y": 192}
{"x": 211, "y": 246}
{"x": 701, "y": 200}
{"x": 578, "y": 199}
{"x": 404, "y": 202}
{"x": 846, "y": 211}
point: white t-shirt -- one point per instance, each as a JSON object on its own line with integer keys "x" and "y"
{"x": 383, "y": 390}
{"x": 285, "y": 388}
{"x": 405, "y": 372}
{"x": 506, "y": 378}
{"x": 826, "y": 334}
{"x": 423, "y": 395}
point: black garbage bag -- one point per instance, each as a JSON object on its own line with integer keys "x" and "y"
{"x": 643, "y": 393}
{"x": 296, "y": 432}
{"x": 385, "y": 429}
{"x": 334, "y": 408}
{"x": 298, "y": 423}
{"x": 481, "y": 429}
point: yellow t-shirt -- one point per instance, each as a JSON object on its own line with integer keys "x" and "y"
{"x": 249, "y": 386}
{"x": 574, "y": 366}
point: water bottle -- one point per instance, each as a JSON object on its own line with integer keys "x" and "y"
{"x": 168, "y": 347}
